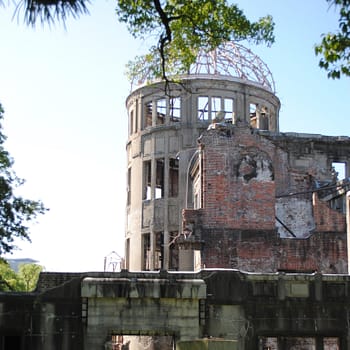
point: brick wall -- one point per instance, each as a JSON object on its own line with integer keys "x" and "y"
{"x": 327, "y": 219}
{"x": 238, "y": 187}
{"x": 264, "y": 251}
{"x": 237, "y": 227}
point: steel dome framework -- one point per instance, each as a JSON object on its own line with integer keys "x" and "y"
{"x": 234, "y": 60}
{"x": 228, "y": 60}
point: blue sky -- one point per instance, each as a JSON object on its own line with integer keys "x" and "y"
{"x": 64, "y": 93}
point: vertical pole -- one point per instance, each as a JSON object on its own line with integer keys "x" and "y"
{"x": 348, "y": 226}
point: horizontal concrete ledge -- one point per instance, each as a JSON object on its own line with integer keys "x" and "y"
{"x": 143, "y": 288}
{"x": 207, "y": 344}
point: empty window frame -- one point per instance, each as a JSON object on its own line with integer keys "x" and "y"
{"x": 128, "y": 201}
{"x": 173, "y": 177}
{"x": 259, "y": 116}
{"x": 159, "y": 178}
{"x": 196, "y": 187}
{"x": 146, "y": 252}
{"x": 131, "y": 123}
{"x": 173, "y": 251}
{"x": 175, "y": 109}
{"x": 148, "y": 111}
{"x": 203, "y": 108}
{"x": 127, "y": 254}
{"x": 331, "y": 343}
{"x": 159, "y": 251}
{"x": 215, "y": 106}
{"x": 228, "y": 108}
{"x": 147, "y": 171}
{"x": 264, "y": 118}
{"x": 136, "y": 129}
{"x": 338, "y": 170}
{"x": 253, "y": 114}
{"x": 161, "y": 111}
{"x": 11, "y": 342}
{"x": 209, "y": 107}
{"x": 287, "y": 343}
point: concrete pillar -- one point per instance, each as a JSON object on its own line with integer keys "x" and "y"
{"x": 348, "y": 226}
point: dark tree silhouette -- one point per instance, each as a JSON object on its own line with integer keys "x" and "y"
{"x": 15, "y": 212}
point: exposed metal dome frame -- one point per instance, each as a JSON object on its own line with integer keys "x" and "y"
{"x": 234, "y": 60}
{"x": 229, "y": 59}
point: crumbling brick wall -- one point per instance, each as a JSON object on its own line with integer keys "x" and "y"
{"x": 259, "y": 212}
{"x": 238, "y": 181}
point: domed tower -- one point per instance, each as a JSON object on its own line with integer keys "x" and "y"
{"x": 231, "y": 84}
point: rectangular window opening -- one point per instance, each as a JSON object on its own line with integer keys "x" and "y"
{"x": 12, "y": 342}
{"x": 160, "y": 179}
{"x": 215, "y": 106}
{"x": 173, "y": 177}
{"x": 136, "y": 117}
{"x": 331, "y": 343}
{"x": 253, "y": 115}
{"x": 159, "y": 251}
{"x": 140, "y": 341}
{"x": 175, "y": 109}
{"x": 129, "y": 187}
{"x": 146, "y": 248}
{"x": 229, "y": 111}
{"x": 147, "y": 180}
{"x": 148, "y": 114}
{"x": 131, "y": 121}
{"x": 264, "y": 118}
{"x": 203, "y": 107}
{"x": 161, "y": 111}
{"x": 173, "y": 251}
{"x": 127, "y": 254}
{"x": 268, "y": 343}
{"x": 338, "y": 171}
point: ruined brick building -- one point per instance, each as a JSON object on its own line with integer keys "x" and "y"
{"x": 213, "y": 186}
{"x": 212, "y": 182}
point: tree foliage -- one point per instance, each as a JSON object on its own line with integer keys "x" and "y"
{"x": 49, "y": 11}
{"x": 182, "y": 28}
{"x": 29, "y": 275}
{"x": 16, "y": 212}
{"x": 335, "y": 47}
{"x": 9, "y": 281}
{"x": 24, "y": 281}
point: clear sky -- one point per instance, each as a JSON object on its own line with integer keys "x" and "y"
{"x": 64, "y": 93}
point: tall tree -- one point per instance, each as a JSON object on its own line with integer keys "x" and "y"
{"x": 9, "y": 281}
{"x": 335, "y": 47}
{"x": 29, "y": 275}
{"x": 24, "y": 281}
{"x": 49, "y": 11}
{"x": 182, "y": 28}
{"x": 16, "y": 212}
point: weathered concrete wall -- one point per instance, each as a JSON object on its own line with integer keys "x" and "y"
{"x": 207, "y": 344}
{"x": 213, "y": 308}
{"x": 154, "y": 134}
{"x": 141, "y": 306}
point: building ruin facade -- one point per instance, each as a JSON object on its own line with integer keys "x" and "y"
{"x": 236, "y": 234}
{"x": 213, "y": 182}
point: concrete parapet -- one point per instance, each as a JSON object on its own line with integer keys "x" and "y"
{"x": 207, "y": 344}
{"x": 143, "y": 288}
